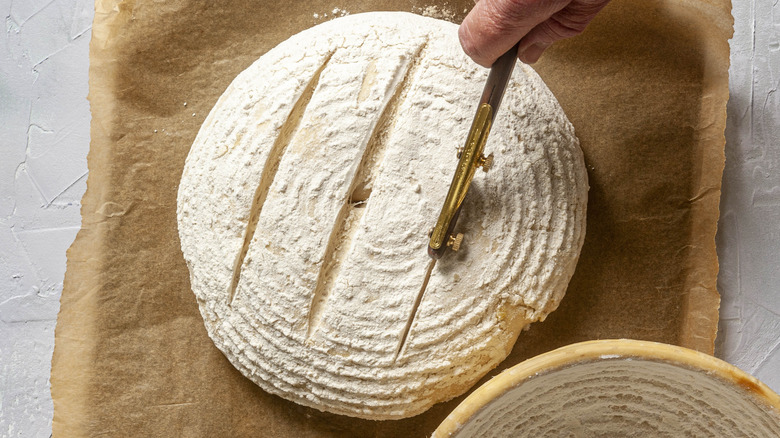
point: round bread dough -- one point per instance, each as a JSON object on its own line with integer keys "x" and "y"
{"x": 305, "y": 205}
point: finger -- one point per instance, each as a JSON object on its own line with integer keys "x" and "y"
{"x": 568, "y": 22}
{"x": 494, "y": 26}
{"x": 532, "y": 53}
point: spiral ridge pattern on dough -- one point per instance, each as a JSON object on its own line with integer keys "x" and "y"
{"x": 306, "y": 199}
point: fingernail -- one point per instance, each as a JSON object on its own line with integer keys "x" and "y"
{"x": 532, "y": 53}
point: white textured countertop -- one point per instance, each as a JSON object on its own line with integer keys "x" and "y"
{"x": 44, "y": 139}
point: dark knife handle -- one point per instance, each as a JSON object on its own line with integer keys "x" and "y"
{"x": 498, "y": 79}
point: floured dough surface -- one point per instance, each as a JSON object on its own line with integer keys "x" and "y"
{"x": 305, "y": 205}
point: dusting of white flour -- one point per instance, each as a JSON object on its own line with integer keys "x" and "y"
{"x": 307, "y": 195}
{"x": 334, "y": 13}
{"x": 441, "y": 12}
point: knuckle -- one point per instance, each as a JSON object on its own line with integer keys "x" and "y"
{"x": 565, "y": 27}
{"x": 573, "y": 19}
{"x": 589, "y": 7}
{"x": 507, "y": 15}
{"x": 512, "y": 9}
{"x": 469, "y": 44}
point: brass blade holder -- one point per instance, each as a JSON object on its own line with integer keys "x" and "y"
{"x": 470, "y": 158}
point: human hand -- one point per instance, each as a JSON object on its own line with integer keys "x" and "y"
{"x": 494, "y": 26}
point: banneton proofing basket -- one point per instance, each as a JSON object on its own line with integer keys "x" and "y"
{"x": 618, "y": 388}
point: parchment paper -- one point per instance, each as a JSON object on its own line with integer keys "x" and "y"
{"x": 645, "y": 87}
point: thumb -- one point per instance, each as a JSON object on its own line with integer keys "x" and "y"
{"x": 494, "y": 26}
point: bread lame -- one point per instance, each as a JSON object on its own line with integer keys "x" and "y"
{"x": 471, "y": 156}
